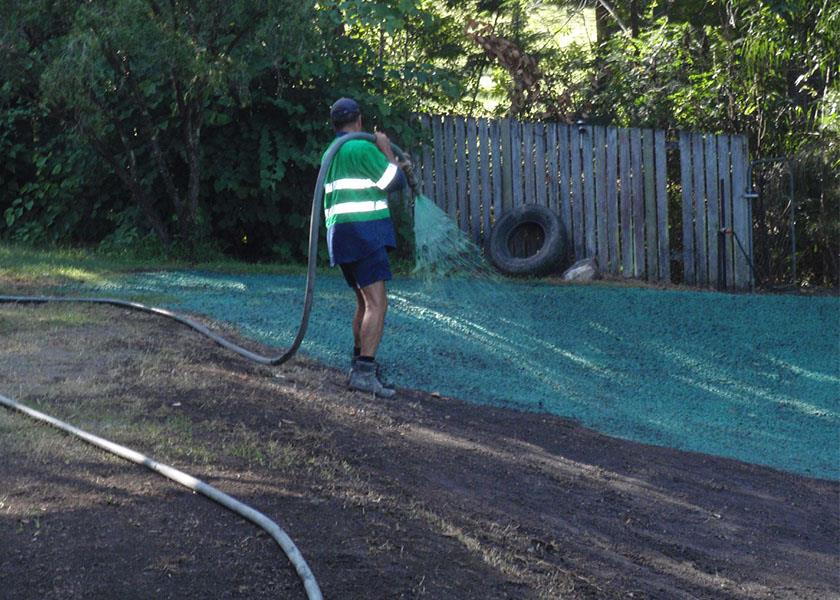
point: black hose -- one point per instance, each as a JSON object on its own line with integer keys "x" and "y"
{"x": 312, "y": 590}
{"x": 314, "y": 227}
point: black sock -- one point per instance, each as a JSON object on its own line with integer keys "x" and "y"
{"x": 356, "y": 352}
{"x": 366, "y": 359}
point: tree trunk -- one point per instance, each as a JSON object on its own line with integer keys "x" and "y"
{"x": 634, "y": 18}
{"x": 129, "y": 179}
{"x": 602, "y": 22}
{"x": 602, "y": 18}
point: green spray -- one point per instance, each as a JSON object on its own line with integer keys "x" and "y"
{"x": 441, "y": 249}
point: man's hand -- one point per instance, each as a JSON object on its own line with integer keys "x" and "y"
{"x": 384, "y": 144}
{"x": 408, "y": 170}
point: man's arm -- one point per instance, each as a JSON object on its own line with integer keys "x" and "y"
{"x": 384, "y": 145}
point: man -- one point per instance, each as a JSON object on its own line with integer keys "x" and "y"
{"x": 360, "y": 233}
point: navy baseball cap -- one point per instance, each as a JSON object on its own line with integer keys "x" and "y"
{"x": 344, "y": 110}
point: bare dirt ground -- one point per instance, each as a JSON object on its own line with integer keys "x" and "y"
{"x": 418, "y": 497}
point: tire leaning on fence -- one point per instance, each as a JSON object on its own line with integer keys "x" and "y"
{"x": 547, "y": 256}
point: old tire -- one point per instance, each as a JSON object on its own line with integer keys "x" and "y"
{"x": 540, "y": 262}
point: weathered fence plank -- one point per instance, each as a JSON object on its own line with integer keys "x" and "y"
{"x": 516, "y": 160}
{"x": 589, "y": 204}
{"x": 741, "y": 214}
{"x": 577, "y": 192}
{"x": 626, "y": 207}
{"x": 529, "y": 189}
{"x": 612, "y": 200}
{"x": 712, "y": 207}
{"x": 564, "y": 165}
{"x": 461, "y": 174}
{"x": 651, "y": 255}
{"x": 725, "y": 191}
{"x": 552, "y": 178}
{"x": 700, "y": 247}
{"x": 664, "y": 249}
{"x": 496, "y": 156}
{"x": 486, "y": 198}
{"x": 540, "y": 180}
{"x": 426, "y": 160}
{"x": 439, "y": 195}
{"x": 599, "y": 138}
{"x": 638, "y": 204}
{"x": 473, "y": 192}
{"x": 449, "y": 162}
{"x": 505, "y": 136}
{"x": 689, "y": 274}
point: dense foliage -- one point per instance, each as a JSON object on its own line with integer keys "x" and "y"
{"x": 185, "y": 126}
{"x": 134, "y": 122}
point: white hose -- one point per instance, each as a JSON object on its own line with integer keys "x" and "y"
{"x": 313, "y": 592}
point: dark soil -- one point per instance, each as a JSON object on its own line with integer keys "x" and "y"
{"x": 418, "y": 497}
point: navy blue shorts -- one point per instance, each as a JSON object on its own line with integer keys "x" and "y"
{"x": 370, "y": 269}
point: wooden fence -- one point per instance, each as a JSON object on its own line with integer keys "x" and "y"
{"x": 716, "y": 211}
{"x": 609, "y": 187}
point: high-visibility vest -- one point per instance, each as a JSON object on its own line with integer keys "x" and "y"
{"x": 354, "y": 188}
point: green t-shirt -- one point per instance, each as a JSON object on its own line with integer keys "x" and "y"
{"x": 354, "y": 189}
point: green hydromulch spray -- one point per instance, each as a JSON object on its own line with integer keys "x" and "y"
{"x": 441, "y": 249}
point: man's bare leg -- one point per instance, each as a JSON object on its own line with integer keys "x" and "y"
{"x": 357, "y": 319}
{"x": 373, "y": 319}
{"x": 365, "y": 374}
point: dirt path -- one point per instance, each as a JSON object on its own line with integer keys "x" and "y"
{"x": 422, "y": 497}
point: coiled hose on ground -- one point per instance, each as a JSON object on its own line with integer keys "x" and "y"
{"x": 313, "y": 592}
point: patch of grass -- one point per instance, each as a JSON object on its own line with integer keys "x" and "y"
{"x": 248, "y": 445}
{"x": 38, "y": 441}
{"x": 174, "y": 438}
{"x": 46, "y": 319}
{"x": 59, "y": 266}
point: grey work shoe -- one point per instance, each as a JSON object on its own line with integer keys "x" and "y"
{"x": 352, "y": 366}
{"x": 364, "y": 377}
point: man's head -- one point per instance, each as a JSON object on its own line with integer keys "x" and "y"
{"x": 346, "y": 115}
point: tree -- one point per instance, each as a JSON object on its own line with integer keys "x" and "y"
{"x": 141, "y": 78}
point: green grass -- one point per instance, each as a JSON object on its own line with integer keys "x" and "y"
{"x": 55, "y": 266}
{"x": 28, "y": 266}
